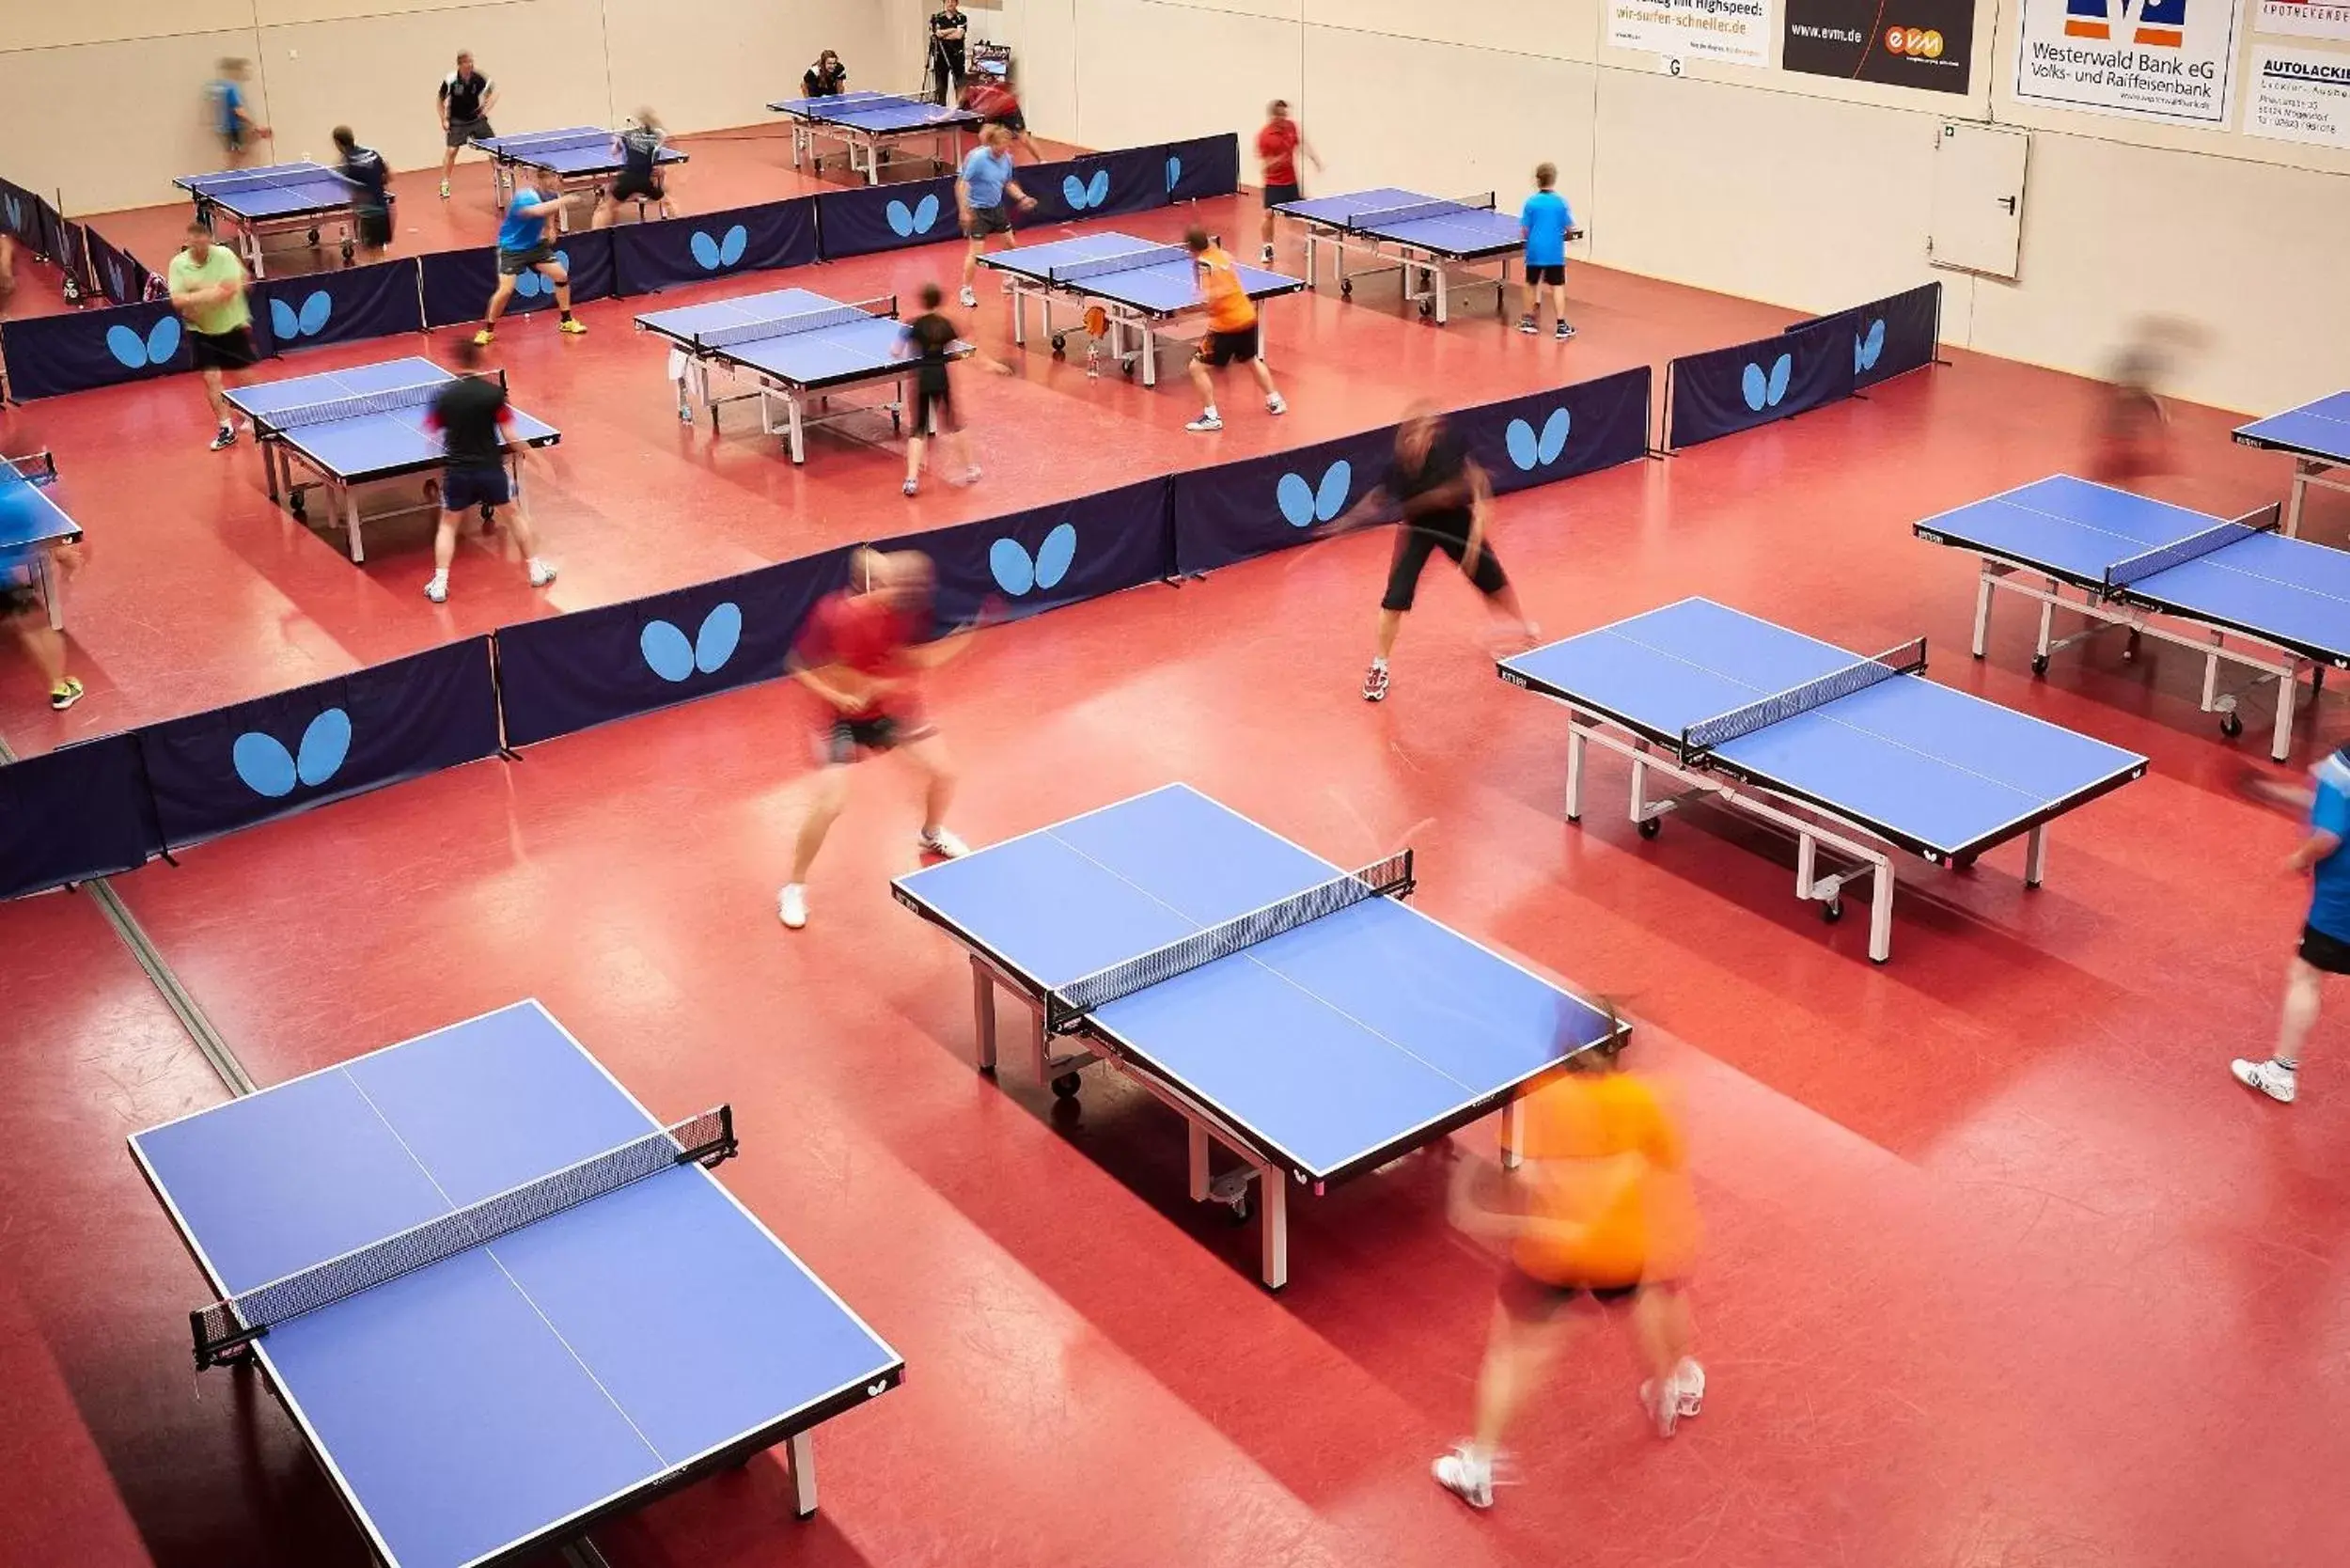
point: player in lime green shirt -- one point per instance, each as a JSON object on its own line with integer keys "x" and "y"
{"x": 208, "y": 284}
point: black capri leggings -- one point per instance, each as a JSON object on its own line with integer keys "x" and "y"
{"x": 1414, "y": 543}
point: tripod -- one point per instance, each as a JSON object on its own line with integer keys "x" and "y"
{"x": 942, "y": 72}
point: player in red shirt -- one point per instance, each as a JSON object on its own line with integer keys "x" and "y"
{"x": 858, "y": 653}
{"x": 997, "y": 101}
{"x": 1277, "y": 147}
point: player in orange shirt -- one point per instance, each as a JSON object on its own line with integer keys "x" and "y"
{"x": 1602, "y": 1209}
{"x": 1232, "y": 331}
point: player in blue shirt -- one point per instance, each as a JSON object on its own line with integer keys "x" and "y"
{"x": 527, "y": 244}
{"x": 21, "y": 602}
{"x": 1546, "y": 223}
{"x": 980, "y": 192}
{"x": 231, "y": 120}
{"x": 2325, "y": 937}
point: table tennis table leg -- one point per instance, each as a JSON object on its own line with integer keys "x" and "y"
{"x": 2302, "y": 469}
{"x": 1512, "y": 1134}
{"x": 2281, "y": 744}
{"x": 1881, "y": 910}
{"x": 2035, "y": 855}
{"x": 1151, "y": 351}
{"x": 1985, "y": 585}
{"x": 349, "y": 498}
{"x": 1575, "y": 743}
{"x": 983, "y": 1016}
{"x": 1436, "y": 276}
{"x": 1198, "y": 1155}
{"x": 52, "y": 585}
{"x": 801, "y": 1449}
{"x": 1020, "y": 314}
{"x": 2048, "y": 620}
{"x": 1273, "y": 1215}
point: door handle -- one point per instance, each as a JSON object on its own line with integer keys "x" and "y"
{"x": 2008, "y": 202}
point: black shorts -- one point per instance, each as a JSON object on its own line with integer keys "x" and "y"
{"x": 988, "y": 220}
{"x": 1547, "y": 274}
{"x": 1015, "y": 122}
{"x": 514, "y": 264}
{"x": 462, "y": 131}
{"x": 223, "y": 350}
{"x": 1414, "y": 543}
{"x": 639, "y": 187}
{"x": 374, "y": 225}
{"x": 849, "y": 738}
{"x": 1531, "y": 1300}
{"x": 934, "y": 410}
{"x": 2327, "y": 954}
{"x": 1223, "y": 348}
{"x": 232, "y": 139}
{"x": 466, "y": 489}
{"x": 17, "y": 598}
{"x": 1275, "y": 195}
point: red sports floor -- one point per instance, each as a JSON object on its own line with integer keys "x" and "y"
{"x": 2004, "y": 1272}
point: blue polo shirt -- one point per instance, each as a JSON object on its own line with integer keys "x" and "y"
{"x": 228, "y": 99}
{"x": 2329, "y": 900}
{"x": 526, "y": 224}
{"x": 1544, "y": 220}
{"x": 984, "y": 173}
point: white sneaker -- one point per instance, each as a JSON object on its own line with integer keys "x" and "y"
{"x": 970, "y": 476}
{"x": 1461, "y": 1474}
{"x": 444, "y": 189}
{"x": 943, "y": 844}
{"x": 1276, "y": 405}
{"x": 1689, "y": 1380}
{"x": 970, "y": 300}
{"x": 1205, "y": 423}
{"x": 1662, "y": 1405}
{"x": 541, "y": 573}
{"x": 436, "y": 590}
{"x": 912, "y": 487}
{"x": 792, "y": 906}
{"x": 1267, "y": 256}
{"x": 2276, "y": 1081}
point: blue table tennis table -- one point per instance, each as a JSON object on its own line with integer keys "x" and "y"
{"x": 1435, "y": 245}
{"x": 1815, "y": 741}
{"x": 801, "y": 349}
{"x": 1141, "y": 286}
{"x": 280, "y": 198}
{"x": 1296, "y": 1014}
{"x": 2135, "y": 564}
{"x": 877, "y": 122}
{"x": 354, "y": 428}
{"x": 500, "y": 1301}
{"x": 582, "y": 157}
{"x": 33, "y": 528}
{"x": 2318, "y": 436}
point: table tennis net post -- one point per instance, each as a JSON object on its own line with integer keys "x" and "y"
{"x": 792, "y": 323}
{"x": 1066, "y": 1006}
{"x": 2146, "y": 563}
{"x": 225, "y": 1328}
{"x": 1124, "y": 261}
{"x": 1386, "y": 217}
{"x": 1710, "y": 734}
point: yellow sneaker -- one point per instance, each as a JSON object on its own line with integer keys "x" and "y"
{"x": 574, "y": 326}
{"x": 65, "y": 693}
{"x": 483, "y": 338}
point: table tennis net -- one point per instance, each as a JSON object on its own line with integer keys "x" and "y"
{"x": 1388, "y": 217}
{"x": 1710, "y": 734}
{"x": 226, "y": 1326}
{"x": 1066, "y": 1006}
{"x": 354, "y": 405}
{"x": 2138, "y": 567}
{"x": 1124, "y": 261}
{"x": 270, "y": 179}
{"x": 786, "y": 324}
{"x": 554, "y": 141}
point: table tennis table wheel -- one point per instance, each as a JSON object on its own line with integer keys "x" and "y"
{"x": 1832, "y": 911}
{"x": 2231, "y": 724}
{"x": 298, "y": 506}
{"x": 314, "y": 236}
{"x": 2129, "y": 649}
{"x": 2040, "y": 664}
{"x": 350, "y": 252}
{"x": 1060, "y": 345}
{"x": 1427, "y": 309}
{"x": 1652, "y": 827}
{"x": 1066, "y": 1085}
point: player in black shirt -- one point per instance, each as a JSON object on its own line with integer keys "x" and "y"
{"x": 371, "y": 203}
{"x": 827, "y": 78}
{"x": 1443, "y": 497}
{"x": 930, "y": 338}
{"x": 475, "y": 421}
{"x": 466, "y": 98}
{"x": 947, "y": 29}
{"x": 642, "y": 177}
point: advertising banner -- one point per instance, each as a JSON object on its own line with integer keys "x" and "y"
{"x": 1928, "y": 44}
{"x": 2301, "y": 95}
{"x": 2155, "y": 59}
{"x": 1738, "y": 31}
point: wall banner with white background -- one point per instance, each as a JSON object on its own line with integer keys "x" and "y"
{"x": 2153, "y": 60}
{"x": 1739, "y": 31}
{"x": 2301, "y": 95}
{"x": 2305, "y": 19}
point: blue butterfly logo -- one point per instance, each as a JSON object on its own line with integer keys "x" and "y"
{"x": 1765, "y": 391}
{"x": 1304, "y": 504}
{"x": 1015, "y": 574}
{"x": 1867, "y": 346}
{"x": 289, "y": 323}
{"x": 135, "y": 352}
{"x": 1082, "y": 194}
{"x": 1174, "y": 174}
{"x": 907, "y": 224}
{"x": 533, "y": 284}
{"x": 266, "y": 767}
{"x": 714, "y": 254}
{"x": 668, "y": 655}
{"x": 1530, "y": 452}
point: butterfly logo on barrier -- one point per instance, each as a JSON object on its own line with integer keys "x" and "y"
{"x": 1082, "y": 194}
{"x": 907, "y": 222}
{"x": 668, "y": 655}
{"x": 1529, "y": 451}
{"x": 714, "y": 254}
{"x": 533, "y": 284}
{"x": 135, "y": 352}
{"x": 1764, "y": 391}
{"x": 1304, "y": 503}
{"x": 1174, "y": 174}
{"x": 307, "y": 321}
{"x": 1867, "y": 346}
{"x": 1015, "y": 574}
{"x": 268, "y": 769}
{"x": 118, "y": 286}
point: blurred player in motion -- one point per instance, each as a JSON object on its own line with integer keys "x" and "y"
{"x": 1279, "y": 144}
{"x": 1600, "y": 1209}
{"x": 2132, "y": 442}
{"x": 929, "y": 338}
{"x": 641, "y": 177}
{"x": 859, "y": 654}
{"x": 19, "y": 599}
{"x": 2325, "y": 948}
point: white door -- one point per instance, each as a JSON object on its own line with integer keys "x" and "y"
{"x": 1979, "y": 198}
